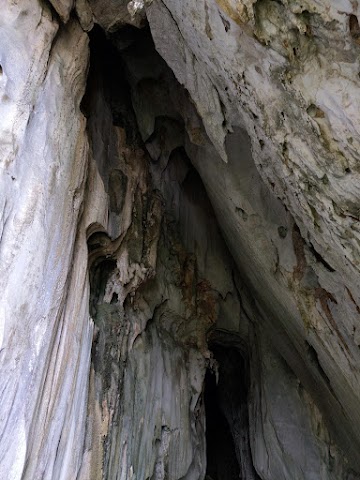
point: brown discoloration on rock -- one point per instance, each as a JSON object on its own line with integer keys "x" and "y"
{"x": 323, "y": 296}
{"x": 188, "y": 281}
{"x": 298, "y": 243}
{"x": 206, "y": 302}
{"x": 152, "y": 230}
{"x": 315, "y": 112}
{"x": 353, "y": 300}
{"x": 200, "y": 299}
{"x": 238, "y": 13}
{"x": 202, "y": 315}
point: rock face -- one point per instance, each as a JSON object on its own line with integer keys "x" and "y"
{"x": 179, "y": 240}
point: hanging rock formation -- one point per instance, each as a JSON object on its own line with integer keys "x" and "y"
{"x": 179, "y": 240}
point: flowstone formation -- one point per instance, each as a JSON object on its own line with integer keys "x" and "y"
{"x": 179, "y": 240}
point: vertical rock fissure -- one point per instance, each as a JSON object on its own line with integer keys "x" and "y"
{"x": 220, "y": 449}
{"x": 227, "y": 415}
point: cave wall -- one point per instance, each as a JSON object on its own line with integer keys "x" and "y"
{"x": 181, "y": 187}
{"x": 299, "y": 118}
{"x": 45, "y": 332}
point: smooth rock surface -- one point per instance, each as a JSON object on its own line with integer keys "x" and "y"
{"x": 45, "y": 330}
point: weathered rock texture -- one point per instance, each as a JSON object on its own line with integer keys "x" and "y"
{"x": 179, "y": 240}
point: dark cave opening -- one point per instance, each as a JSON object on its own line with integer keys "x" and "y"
{"x": 220, "y": 449}
{"x": 228, "y": 449}
{"x": 107, "y": 74}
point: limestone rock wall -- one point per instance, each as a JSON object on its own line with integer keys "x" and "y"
{"x": 288, "y": 75}
{"x": 167, "y": 213}
{"x": 45, "y": 331}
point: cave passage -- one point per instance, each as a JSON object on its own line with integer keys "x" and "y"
{"x": 227, "y": 421}
{"x": 220, "y": 449}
